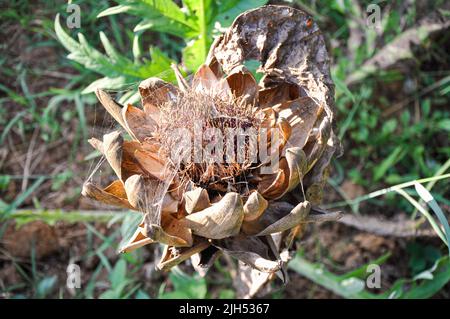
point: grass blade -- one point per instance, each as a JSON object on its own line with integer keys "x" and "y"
{"x": 22, "y": 197}
{"x": 424, "y": 212}
{"x": 428, "y": 198}
{"x": 384, "y": 191}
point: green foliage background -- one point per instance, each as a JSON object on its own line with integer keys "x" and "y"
{"x": 394, "y": 123}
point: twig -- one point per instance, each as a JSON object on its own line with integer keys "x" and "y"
{"x": 401, "y": 228}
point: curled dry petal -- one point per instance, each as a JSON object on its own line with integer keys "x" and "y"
{"x": 269, "y": 119}
{"x": 120, "y": 155}
{"x": 174, "y": 227}
{"x": 127, "y": 158}
{"x": 212, "y": 61}
{"x": 158, "y": 234}
{"x": 297, "y": 216}
{"x": 137, "y": 122}
{"x": 275, "y": 142}
{"x": 152, "y": 164}
{"x": 114, "y": 109}
{"x": 250, "y": 281}
{"x": 155, "y": 92}
{"x": 182, "y": 83}
{"x": 222, "y": 219}
{"x": 136, "y": 241}
{"x": 314, "y": 150}
{"x": 110, "y": 105}
{"x": 301, "y": 114}
{"x": 315, "y": 181}
{"x": 255, "y": 205}
{"x": 139, "y": 192}
{"x": 135, "y": 190}
{"x": 196, "y": 200}
{"x": 112, "y": 149}
{"x": 243, "y": 84}
{"x": 116, "y": 188}
{"x": 278, "y": 93}
{"x": 274, "y": 212}
{"x": 249, "y": 250}
{"x": 296, "y": 160}
{"x": 291, "y": 170}
{"x": 142, "y": 159}
{"x": 273, "y": 186}
{"x": 277, "y": 217}
{"x": 205, "y": 81}
{"x": 173, "y": 234}
{"x": 98, "y": 194}
{"x": 97, "y": 144}
{"x": 285, "y": 131}
{"x": 130, "y": 166}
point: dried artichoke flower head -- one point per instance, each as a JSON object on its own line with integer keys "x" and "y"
{"x": 250, "y": 196}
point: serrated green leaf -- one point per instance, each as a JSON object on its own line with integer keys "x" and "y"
{"x": 165, "y": 25}
{"x": 69, "y": 43}
{"x": 117, "y": 69}
{"x": 111, "y": 51}
{"x": 195, "y": 21}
